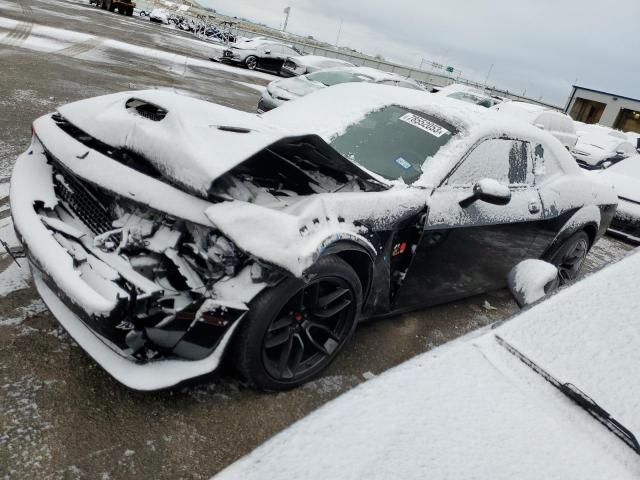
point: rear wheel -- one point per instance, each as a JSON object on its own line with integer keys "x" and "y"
{"x": 296, "y": 329}
{"x": 129, "y": 12}
{"x": 570, "y": 256}
{"x": 251, "y": 62}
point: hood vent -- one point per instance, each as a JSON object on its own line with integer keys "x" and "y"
{"x": 145, "y": 109}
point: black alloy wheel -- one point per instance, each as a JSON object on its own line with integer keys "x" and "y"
{"x": 251, "y": 62}
{"x": 296, "y": 329}
{"x": 570, "y": 256}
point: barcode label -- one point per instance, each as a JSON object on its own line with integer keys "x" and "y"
{"x": 424, "y": 124}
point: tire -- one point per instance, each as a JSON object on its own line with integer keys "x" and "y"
{"x": 570, "y": 255}
{"x": 251, "y": 62}
{"x": 110, "y": 6}
{"x": 129, "y": 12}
{"x": 281, "y": 345}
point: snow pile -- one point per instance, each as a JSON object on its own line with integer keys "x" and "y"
{"x": 14, "y": 277}
{"x": 529, "y": 278}
{"x": 471, "y": 409}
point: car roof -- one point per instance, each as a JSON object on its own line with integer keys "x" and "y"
{"x": 472, "y": 409}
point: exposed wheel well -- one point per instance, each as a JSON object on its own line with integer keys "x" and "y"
{"x": 361, "y": 263}
{"x": 592, "y": 231}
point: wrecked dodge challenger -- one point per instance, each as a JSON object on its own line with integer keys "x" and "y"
{"x": 167, "y": 233}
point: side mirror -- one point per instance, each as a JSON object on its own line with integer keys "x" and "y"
{"x": 539, "y": 125}
{"x": 620, "y": 153}
{"x": 531, "y": 280}
{"x": 267, "y": 52}
{"x": 490, "y": 191}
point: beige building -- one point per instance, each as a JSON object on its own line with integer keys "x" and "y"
{"x": 608, "y": 109}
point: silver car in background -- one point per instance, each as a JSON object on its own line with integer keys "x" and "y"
{"x": 280, "y": 91}
{"x": 303, "y": 64}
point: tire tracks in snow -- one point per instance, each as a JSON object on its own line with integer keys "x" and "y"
{"x": 79, "y": 48}
{"x": 22, "y": 31}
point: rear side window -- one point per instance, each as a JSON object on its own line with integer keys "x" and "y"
{"x": 546, "y": 165}
{"x": 507, "y": 161}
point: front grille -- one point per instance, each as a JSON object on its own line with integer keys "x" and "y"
{"x": 81, "y": 201}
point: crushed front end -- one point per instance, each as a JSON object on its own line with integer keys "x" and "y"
{"x": 145, "y": 283}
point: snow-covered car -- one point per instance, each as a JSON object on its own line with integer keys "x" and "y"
{"x": 468, "y": 94}
{"x": 280, "y": 91}
{"x": 595, "y": 151}
{"x": 303, "y": 64}
{"x": 163, "y": 229}
{"x": 258, "y": 54}
{"x": 558, "y": 124}
{"x": 550, "y": 394}
{"x": 159, "y": 15}
{"x": 625, "y": 177}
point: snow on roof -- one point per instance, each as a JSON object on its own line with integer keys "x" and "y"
{"x": 328, "y": 112}
{"x": 470, "y": 409}
{"x": 602, "y": 140}
{"x": 458, "y": 87}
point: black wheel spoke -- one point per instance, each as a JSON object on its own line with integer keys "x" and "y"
{"x": 333, "y": 309}
{"x": 329, "y": 298}
{"x": 285, "y": 354}
{"x": 326, "y": 348}
{"x": 277, "y": 339}
{"x": 280, "y": 324}
{"x": 298, "y": 345}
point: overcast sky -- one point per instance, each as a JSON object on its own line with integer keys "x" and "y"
{"x": 542, "y": 46}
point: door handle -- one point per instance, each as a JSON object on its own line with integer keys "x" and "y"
{"x": 534, "y": 206}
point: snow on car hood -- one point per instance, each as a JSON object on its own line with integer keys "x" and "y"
{"x": 625, "y": 177}
{"x": 188, "y": 145}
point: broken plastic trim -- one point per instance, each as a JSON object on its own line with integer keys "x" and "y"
{"x": 145, "y": 109}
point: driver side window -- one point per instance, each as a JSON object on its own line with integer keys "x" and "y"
{"x": 504, "y": 160}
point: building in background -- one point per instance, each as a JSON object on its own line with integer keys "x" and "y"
{"x": 608, "y": 109}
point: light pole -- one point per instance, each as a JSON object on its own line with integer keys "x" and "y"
{"x": 287, "y": 10}
{"x": 339, "y": 32}
{"x": 487, "y": 78}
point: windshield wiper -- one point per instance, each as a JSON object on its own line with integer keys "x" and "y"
{"x": 579, "y": 397}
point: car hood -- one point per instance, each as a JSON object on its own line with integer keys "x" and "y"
{"x": 190, "y": 142}
{"x": 298, "y": 86}
{"x": 626, "y": 186}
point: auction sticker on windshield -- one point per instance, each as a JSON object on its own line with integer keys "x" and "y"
{"x": 424, "y": 124}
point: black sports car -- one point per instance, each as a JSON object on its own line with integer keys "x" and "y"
{"x": 166, "y": 232}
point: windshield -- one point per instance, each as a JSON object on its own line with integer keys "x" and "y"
{"x": 394, "y": 142}
{"x": 334, "y": 78}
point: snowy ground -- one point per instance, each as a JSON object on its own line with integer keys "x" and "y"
{"x": 60, "y": 415}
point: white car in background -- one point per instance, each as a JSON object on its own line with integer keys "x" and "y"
{"x": 281, "y": 91}
{"x": 468, "y": 94}
{"x": 548, "y": 394}
{"x": 557, "y": 124}
{"x": 594, "y": 151}
{"x": 302, "y": 64}
{"x": 625, "y": 177}
{"x": 159, "y": 15}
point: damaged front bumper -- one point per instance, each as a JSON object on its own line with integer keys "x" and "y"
{"x": 108, "y": 307}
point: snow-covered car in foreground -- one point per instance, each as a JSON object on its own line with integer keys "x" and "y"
{"x": 550, "y": 394}
{"x": 302, "y": 64}
{"x": 558, "y": 124}
{"x": 594, "y": 151}
{"x": 163, "y": 228}
{"x": 625, "y": 177}
{"x": 258, "y": 54}
{"x": 280, "y": 91}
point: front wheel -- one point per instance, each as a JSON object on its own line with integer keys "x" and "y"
{"x": 251, "y": 62}
{"x": 570, "y": 256}
{"x": 294, "y": 330}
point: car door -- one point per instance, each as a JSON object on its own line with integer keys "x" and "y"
{"x": 465, "y": 250}
{"x": 266, "y": 55}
